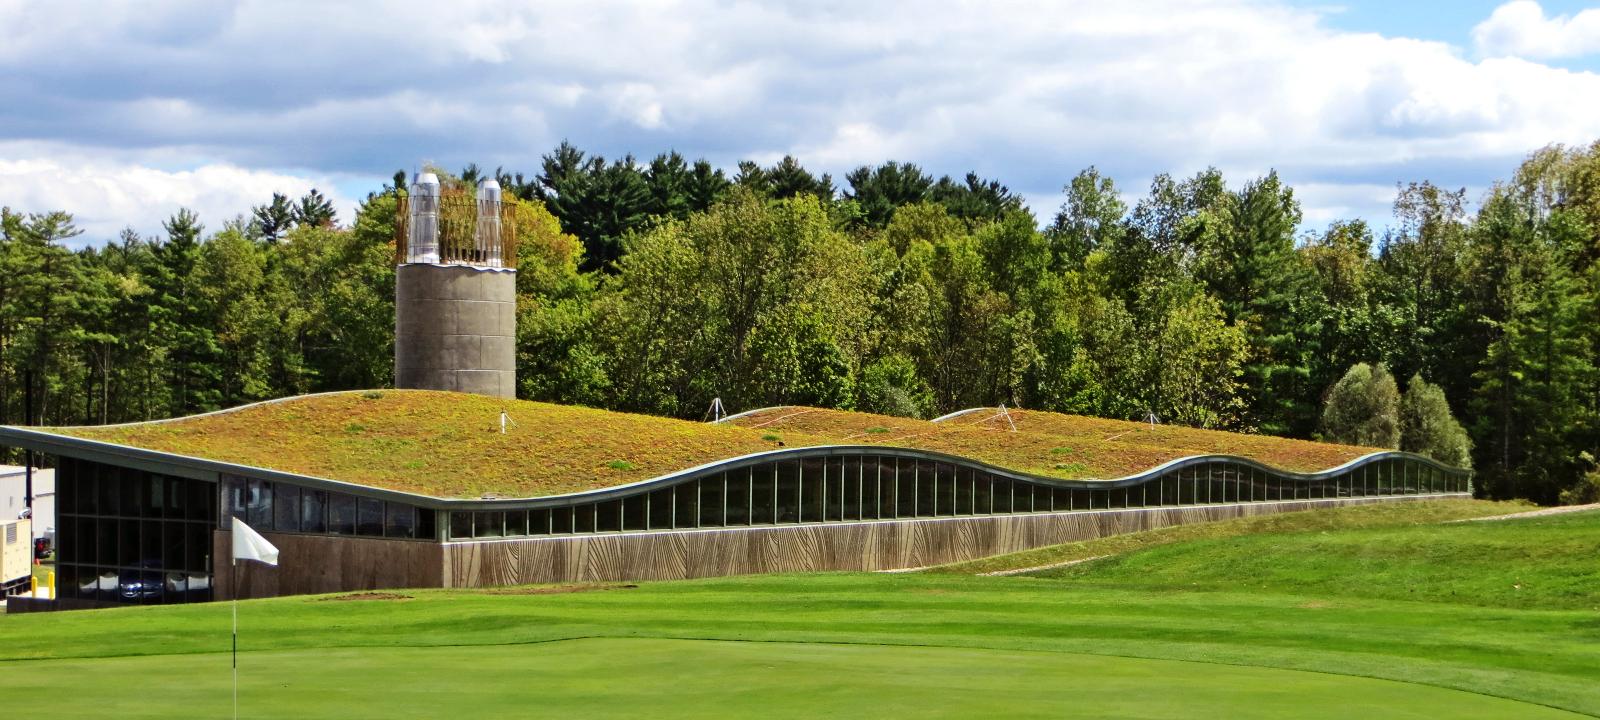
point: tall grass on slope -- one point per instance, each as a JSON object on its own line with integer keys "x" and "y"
{"x": 1544, "y": 563}
{"x": 1343, "y": 518}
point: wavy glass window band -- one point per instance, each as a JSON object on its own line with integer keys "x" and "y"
{"x": 856, "y": 488}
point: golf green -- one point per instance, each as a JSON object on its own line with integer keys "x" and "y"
{"x": 618, "y": 677}
{"x": 1359, "y": 612}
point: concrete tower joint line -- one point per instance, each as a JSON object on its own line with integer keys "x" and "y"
{"x": 455, "y": 291}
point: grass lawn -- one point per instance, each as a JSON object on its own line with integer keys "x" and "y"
{"x": 1391, "y": 639}
{"x": 633, "y": 677}
{"x": 450, "y": 444}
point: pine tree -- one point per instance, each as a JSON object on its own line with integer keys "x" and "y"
{"x": 975, "y": 199}
{"x": 1266, "y": 288}
{"x": 183, "y": 319}
{"x": 883, "y": 189}
{"x": 788, "y": 178}
{"x": 273, "y": 219}
{"x": 706, "y": 186}
{"x": 1535, "y": 381}
{"x": 315, "y": 210}
{"x": 668, "y": 177}
{"x": 596, "y": 201}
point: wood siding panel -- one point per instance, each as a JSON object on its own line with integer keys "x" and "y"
{"x": 882, "y": 545}
{"x": 309, "y": 564}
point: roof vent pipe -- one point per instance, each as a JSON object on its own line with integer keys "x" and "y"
{"x": 489, "y": 223}
{"x": 424, "y": 240}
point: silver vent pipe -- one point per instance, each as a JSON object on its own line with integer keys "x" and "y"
{"x": 489, "y": 223}
{"x": 423, "y": 243}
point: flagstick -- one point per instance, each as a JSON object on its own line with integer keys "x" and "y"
{"x": 248, "y": 544}
{"x": 235, "y": 581}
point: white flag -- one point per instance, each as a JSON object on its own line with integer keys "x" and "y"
{"x": 249, "y": 545}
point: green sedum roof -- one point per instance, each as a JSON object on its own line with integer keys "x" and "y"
{"x": 450, "y": 445}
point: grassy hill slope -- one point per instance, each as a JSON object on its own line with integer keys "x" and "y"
{"x": 1373, "y": 515}
{"x": 1535, "y": 563}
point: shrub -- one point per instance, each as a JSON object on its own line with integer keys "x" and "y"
{"x": 1363, "y": 408}
{"x": 1587, "y": 489}
{"x": 891, "y": 386}
{"x": 1428, "y": 428}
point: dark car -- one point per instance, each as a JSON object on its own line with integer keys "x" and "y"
{"x": 143, "y": 585}
{"x": 41, "y": 548}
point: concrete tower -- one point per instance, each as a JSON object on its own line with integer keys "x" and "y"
{"x": 455, "y": 293}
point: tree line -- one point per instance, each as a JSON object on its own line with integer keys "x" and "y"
{"x": 658, "y": 286}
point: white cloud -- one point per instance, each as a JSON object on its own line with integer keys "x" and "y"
{"x": 1521, "y": 29}
{"x": 637, "y": 103}
{"x": 1028, "y": 93}
{"x": 107, "y": 196}
{"x": 1323, "y": 203}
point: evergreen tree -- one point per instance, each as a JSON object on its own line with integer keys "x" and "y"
{"x": 561, "y": 171}
{"x": 598, "y": 202}
{"x": 752, "y": 177}
{"x": 274, "y": 219}
{"x": 315, "y": 210}
{"x": 1534, "y": 384}
{"x": 1250, "y": 265}
{"x": 41, "y": 293}
{"x": 183, "y": 318}
{"x": 668, "y": 177}
{"x": 787, "y": 179}
{"x": 975, "y": 199}
{"x": 706, "y": 186}
{"x": 881, "y": 190}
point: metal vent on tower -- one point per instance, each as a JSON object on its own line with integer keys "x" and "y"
{"x": 455, "y": 288}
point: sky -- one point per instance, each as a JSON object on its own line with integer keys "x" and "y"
{"x": 121, "y": 113}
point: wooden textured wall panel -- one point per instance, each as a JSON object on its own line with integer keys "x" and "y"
{"x": 310, "y": 564}
{"x": 869, "y": 546}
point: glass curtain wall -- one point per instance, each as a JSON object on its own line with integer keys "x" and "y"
{"x": 129, "y": 536}
{"x": 851, "y": 488}
{"x": 283, "y": 507}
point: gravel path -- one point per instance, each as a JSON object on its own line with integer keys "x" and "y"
{"x": 1537, "y": 513}
{"x": 1036, "y": 568}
